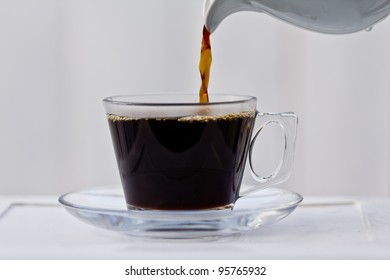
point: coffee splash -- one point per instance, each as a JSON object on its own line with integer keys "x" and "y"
{"x": 204, "y": 66}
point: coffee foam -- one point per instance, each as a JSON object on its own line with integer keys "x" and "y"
{"x": 116, "y": 118}
{"x": 226, "y": 117}
{"x": 195, "y": 118}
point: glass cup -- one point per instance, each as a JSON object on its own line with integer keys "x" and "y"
{"x": 174, "y": 153}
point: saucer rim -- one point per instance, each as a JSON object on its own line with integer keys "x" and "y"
{"x": 193, "y": 224}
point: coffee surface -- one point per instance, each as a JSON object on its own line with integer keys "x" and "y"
{"x": 184, "y": 163}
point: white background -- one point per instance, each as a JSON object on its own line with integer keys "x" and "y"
{"x": 59, "y": 58}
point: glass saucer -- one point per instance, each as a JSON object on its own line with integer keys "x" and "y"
{"x": 105, "y": 207}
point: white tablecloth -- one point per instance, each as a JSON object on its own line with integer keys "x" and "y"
{"x": 327, "y": 228}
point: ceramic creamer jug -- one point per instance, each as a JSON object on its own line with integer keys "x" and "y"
{"x": 324, "y": 16}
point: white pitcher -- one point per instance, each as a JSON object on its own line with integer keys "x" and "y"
{"x": 324, "y": 16}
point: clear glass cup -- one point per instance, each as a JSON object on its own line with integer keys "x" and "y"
{"x": 174, "y": 153}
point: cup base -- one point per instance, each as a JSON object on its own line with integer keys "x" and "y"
{"x": 225, "y": 207}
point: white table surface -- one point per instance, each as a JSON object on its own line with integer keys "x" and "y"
{"x": 327, "y": 228}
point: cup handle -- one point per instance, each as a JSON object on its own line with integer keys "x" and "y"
{"x": 288, "y": 122}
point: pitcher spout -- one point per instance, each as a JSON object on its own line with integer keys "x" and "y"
{"x": 215, "y": 11}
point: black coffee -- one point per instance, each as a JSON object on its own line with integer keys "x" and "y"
{"x": 181, "y": 164}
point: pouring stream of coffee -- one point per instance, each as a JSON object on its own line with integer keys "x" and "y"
{"x": 204, "y": 66}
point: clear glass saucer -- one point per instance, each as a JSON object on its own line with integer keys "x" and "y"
{"x": 105, "y": 207}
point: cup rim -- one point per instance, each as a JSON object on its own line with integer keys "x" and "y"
{"x": 131, "y": 100}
